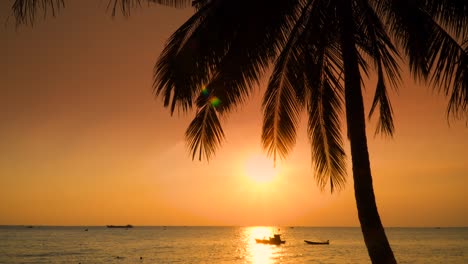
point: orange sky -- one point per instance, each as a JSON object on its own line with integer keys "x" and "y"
{"x": 83, "y": 141}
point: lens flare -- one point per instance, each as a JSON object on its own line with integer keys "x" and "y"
{"x": 215, "y": 101}
{"x": 205, "y": 91}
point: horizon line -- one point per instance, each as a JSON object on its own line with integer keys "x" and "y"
{"x": 169, "y": 225}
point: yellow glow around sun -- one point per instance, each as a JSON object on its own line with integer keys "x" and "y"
{"x": 260, "y": 169}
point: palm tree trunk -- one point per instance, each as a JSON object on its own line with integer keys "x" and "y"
{"x": 374, "y": 234}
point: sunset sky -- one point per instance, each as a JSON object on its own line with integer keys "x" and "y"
{"x": 84, "y": 142}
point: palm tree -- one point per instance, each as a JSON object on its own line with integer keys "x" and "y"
{"x": 317, "y": 51}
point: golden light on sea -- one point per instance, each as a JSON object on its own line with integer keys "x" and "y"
{"x": 260, "y": 253}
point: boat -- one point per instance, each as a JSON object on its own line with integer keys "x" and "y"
{"x": 317, "y": 243}
{"x": 118, "y": 226}
{"x": 275, "y": 240}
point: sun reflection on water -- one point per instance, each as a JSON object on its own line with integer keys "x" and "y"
{"x": 260, "y": 253}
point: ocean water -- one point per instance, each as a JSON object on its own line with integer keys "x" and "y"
{"x": 229, "y": 245}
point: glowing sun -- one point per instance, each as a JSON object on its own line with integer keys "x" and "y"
{"x": 260, "y": 169}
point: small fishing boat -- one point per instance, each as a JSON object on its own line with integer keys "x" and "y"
{"x": 317, "y": 242}
{"x": 275, "y": 240}
{"x": 118, "y": 226}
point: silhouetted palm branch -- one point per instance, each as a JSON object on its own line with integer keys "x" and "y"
{"x": 185, "y": 64}
{"x": 189, "y": 67}
{"x": 434, "y": 53}
{"x": 385, "y": 122}
{"x": 126, "y": 6}
{"x": 310, "y": 69}
{"x": 451, "y": 14}
{"x": 375, "y": 42}
{"x": 204, "y": 133}
{"x": 284, "y": 97}
{"x": 200, "y": 3}
{"x": 281, "y": 107}
{"x": 324, "y": 110}
{"x": 324, "y": 79}
{"x": 324, "y": 131}
{"x": 25, "y": 10}
{"x": 458, "y": 103}
{"x": 448, "y": 65}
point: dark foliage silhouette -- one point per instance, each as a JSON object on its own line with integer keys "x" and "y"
{"x": 317, "y": 51}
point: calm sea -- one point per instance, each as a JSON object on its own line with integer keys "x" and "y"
{"x": 19, "y": 244}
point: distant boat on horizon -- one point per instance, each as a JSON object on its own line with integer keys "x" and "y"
{"x": 119, "y": 226}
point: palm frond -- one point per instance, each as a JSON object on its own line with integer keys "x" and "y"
{"x": 185, "y": 64}
{"x": 324, "y": 84}
{"x": 231, "y": 83}
{"x": 217, "y": 56}
{"x": 200, "y": 3}
{"x": 281, "y": 107}
{"x": 446, "y": 55}
{"x": 125, "y": 6}
{"x": 25, "y": 10}
{"x": 204, "y": 134}
{"x": 374, "y": 41}
{"x": 450, "y": 14}
{"x": 205, "y": 53}
{"x": 285, "y": 94}
{"x": 282, "y": 100}
{"x": 432, "y": 51}
{"x": 325, "y": 108}
{"x": 458, "y": 103}
{"x": 406, "y": 20}
{"x": 171, "y": 3}
{"x": 385, "y": 122}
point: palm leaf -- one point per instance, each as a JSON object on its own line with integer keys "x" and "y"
{"x": 25, "y": 10}
{"x": 233, "y": 83}
{"x": 385, "y": 123}
{"x": 451, "y": 14}
{"x": 202, "y": 58}
{"x": 373, "y": 39}
{"x": 185, "y": 64}
{"x": 449, "y": 68}
{"x": 432, "y": 51}
{"x": 458, "y": 103}
{"x": 281, "y": 107}
{"x": 284, "y": 97}
{"x": 206, "y": 51}
{"x": 447, "y": 61}
{"x": 204, "y": 134}
{"x": 200, "y": 3}
{"x": 324, "y": 98}
{"x": 406, "y": 20}
{"x": 126, "y": 6}
{"x": 325, "y": 108}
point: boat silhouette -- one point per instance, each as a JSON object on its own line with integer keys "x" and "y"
{"x": 275, "y": 240}
{"x": 119, "y": 226}
{"x": 317, "y": 243}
